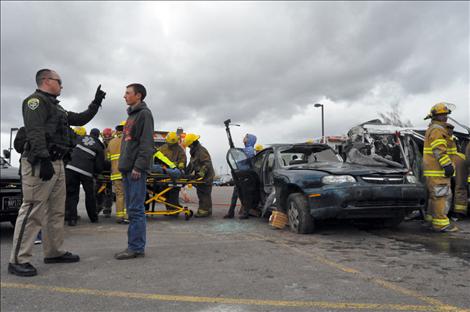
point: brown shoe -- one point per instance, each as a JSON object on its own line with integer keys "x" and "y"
{"x": 128, "y": 254}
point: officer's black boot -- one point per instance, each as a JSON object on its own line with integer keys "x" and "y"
{"x": 22, "y": 269}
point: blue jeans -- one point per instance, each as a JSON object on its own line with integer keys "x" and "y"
{"x": 134, "y": 194}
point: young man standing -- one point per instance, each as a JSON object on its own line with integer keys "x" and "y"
{"x": 136, "y": 159}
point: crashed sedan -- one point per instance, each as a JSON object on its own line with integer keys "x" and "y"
{"x": 311, "y": 182}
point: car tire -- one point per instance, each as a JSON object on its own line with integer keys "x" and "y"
{"x": 300, "y": 220}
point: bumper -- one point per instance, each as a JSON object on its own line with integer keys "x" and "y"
{"x": 10, "y": 203}
{"x": 360, "y": 201}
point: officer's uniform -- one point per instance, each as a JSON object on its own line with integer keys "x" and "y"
{"x": 176, "y": 156}
{"x": 201, "y": 165}
{"x": 48, "y": 136}
{"x": 87, "y": 160}
{"x": 438, "y": 143}
{"x": 113, "y": 153}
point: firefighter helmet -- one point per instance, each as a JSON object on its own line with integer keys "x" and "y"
{"x": 81, "y": 131}
{"x": 258, "y": 148}
{"x": 107, "y": 133}
{"x": 190, "y": 138}
{"x": 171, "y": 138}
{"x": 440, "y": 109}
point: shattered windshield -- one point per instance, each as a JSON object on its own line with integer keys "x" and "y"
{"x": 301, "y": 155}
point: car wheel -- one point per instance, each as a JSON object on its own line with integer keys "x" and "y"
{"x": 300, "y": 220}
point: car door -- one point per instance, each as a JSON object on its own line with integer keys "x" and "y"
{"x": 244, "y": 177}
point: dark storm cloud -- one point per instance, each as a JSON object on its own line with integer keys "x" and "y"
{"x": 248, "y": 61}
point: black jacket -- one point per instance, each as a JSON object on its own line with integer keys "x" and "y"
{"x": 47, "y": 125}
{"x": 87, "y": 157}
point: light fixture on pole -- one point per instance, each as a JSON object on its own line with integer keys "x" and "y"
{"x": 322, "y": 122}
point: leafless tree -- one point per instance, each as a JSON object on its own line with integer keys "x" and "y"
{"x": 394, "y": 117}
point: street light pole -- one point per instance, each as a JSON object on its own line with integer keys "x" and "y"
{"x": 322, "y": 122}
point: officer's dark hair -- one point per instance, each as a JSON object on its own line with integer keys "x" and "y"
{"x": 138, "y": 88}
{"x": 41, "y": 74}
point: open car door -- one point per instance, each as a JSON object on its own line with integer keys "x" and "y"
{"x": 244, "y": 177}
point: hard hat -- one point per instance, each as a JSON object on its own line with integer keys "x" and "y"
{"x": 122, "y": 123}
{"x": 440, "y": 109}
{"x": 190, "y": 138}
{"x": 171, "y": 138}
{"x": 259, "y": 147}
{"x": 107, "y": 132}
{"x": 81, "y": 131}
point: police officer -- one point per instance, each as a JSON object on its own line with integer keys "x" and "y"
{"x": 48, "y": 141}
{"x": 87, "y": 160}
{"x": 200, "y": 164}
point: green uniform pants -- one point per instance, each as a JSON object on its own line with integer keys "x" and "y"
{"x": 204, "y": 193}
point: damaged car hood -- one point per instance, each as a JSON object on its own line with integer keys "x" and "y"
{"x": 347, "y": 168}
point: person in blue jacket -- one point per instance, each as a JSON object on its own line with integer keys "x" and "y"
{"x": 249, "y": 141}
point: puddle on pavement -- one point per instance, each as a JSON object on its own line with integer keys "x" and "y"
{"x": 433, "y": 242}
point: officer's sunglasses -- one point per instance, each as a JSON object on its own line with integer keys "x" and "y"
{"x": 58, "y": 80}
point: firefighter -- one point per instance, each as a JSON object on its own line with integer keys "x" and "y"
{"x": 113, "y": 152}
{"x": 107, "y": 135}
{"x": 47, "y": 141}
{"x": 461, "y": 183}
{"x": 172, "y": 157}
{"x": 87, "y": 160}
{"x": 104, "y": 197}
{"x": 438, "y": 167}
{"x": 200, "y": 164}
{"x": 258, "y": 148}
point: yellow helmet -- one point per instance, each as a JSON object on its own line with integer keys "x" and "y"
{"x": 81, "y": 131}
{"x": 190, "y": 138}
{"x": 258, "y": 147}
{"x": 171, "y": 138}
{"x": 440, "y": 109}
{"x": 122, "y": 123}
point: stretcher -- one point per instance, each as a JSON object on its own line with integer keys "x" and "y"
{"x": 159, "y": 184}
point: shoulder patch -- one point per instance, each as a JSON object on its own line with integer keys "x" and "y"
{"x": 33, "y": 103}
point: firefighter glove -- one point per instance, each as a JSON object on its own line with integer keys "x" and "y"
{"x": 448, "y": 170}
{"x": 99, "y": 96}
{"x": 46, "y": 170}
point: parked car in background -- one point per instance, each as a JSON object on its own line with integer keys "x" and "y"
{"x": 223, "y": 180}
{"x": 10, "y": 192}
{"x": 311, "y": 183}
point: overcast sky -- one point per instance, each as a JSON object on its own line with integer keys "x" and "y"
{"x": 262, "y": 64}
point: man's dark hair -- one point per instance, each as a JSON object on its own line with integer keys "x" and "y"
{"x": 41, "y": 74}
{"x": 138, "y": 88}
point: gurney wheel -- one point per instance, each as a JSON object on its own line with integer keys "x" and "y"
{"x": 188, "y": 216}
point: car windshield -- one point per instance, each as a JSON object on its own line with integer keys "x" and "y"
{"x": 305, "y": 154}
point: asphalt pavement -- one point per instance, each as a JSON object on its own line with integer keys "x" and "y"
{"x": 215, "y": 264}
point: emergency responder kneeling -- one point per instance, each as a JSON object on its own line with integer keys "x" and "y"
{"x": 113, "y": 154}
{"x": 200, "y": 165}
{"x": 48, "y": 140}
{"x": 438, "y": 167}
{"x": 171, "y": 158}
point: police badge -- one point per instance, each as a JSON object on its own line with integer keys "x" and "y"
{"x": 33, "y": 103}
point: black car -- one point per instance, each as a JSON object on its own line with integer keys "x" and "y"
{"x": 10, "y": 192}
{"x": 310, "y": 182}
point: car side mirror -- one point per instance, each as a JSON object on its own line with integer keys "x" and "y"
{"x": 6, "y": 154}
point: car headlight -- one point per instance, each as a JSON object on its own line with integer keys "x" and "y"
{"x": 331, "y": 179}
{"x": 411, "y": 179}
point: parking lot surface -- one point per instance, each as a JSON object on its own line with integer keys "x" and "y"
{"x": 215, "y": 264}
